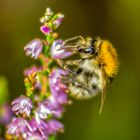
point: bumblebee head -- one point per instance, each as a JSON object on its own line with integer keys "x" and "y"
{"x": 92, "y": 46}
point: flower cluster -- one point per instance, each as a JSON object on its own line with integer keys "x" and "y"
{"x": 37, "y": 112}
{"x": 50, "y": 21}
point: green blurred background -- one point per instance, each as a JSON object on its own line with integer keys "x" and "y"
{"x": 116, "y": 20}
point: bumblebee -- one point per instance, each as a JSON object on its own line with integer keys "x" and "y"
{"x": 92, "y": 67}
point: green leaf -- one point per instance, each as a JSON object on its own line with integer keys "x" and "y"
{"x": 4, "y": 93}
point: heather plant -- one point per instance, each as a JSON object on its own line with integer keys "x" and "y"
{"x": 37, "y": 113}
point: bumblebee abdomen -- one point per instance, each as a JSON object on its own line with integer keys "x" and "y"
{"x": 88, "y": 81}
{"x": 108, "y": 58}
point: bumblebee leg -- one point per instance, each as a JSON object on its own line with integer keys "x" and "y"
{"x": 65, "y": 66}
{"x": 74, "y": 62}
{"x": 64, "y": 80}
{"x": 74, "y": 38}
{"x": 72, "y": 44}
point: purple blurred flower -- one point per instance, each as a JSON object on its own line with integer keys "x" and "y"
{"x": 32, "y": 69}
{"x": 58, "y": 20}
{"x": 45, "y": 29}
{"x": 22, "y": 105}
{"x": 5, "y": 114}
{"x": 57, "y": 52}
{"x": 54, "y": 126}
{"x": 58, "y": 89}
{"x": 18, "y": 127}
{"x": 34, "y": 48}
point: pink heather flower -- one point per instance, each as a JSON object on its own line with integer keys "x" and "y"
{"x": 34, "y": 48}
{"x": 32, "y": 69}
{"x": 45, "y": 29}
{"x": 39, "y": 129}
{"x": 18, "y": 127}
{"x": 58, "y": 20}
{"x": 44, "y": 129}
{"x": 22, "y": 105}
{"x": 35, "y": 137}
{"x": 59, "y": 97}
{"x": 58, "y": 89}
{"x": 5, "y": 114}
{"x": 47, "y": 108}
{"x": 54, "y": 126}
{"x": 43, "y": 111}
{"x": 57, "y": 52}
{"x": 56, "y": 109}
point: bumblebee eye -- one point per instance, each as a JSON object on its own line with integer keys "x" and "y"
{"x": 89, "y": 47}
{"x": 90, "y": 50}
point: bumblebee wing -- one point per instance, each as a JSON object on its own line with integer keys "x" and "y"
{"x": 103, "y": 94}
{"x": 72, "y": 44}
